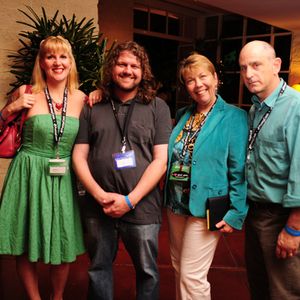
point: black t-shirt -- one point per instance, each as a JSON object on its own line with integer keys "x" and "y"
{"x": 149, "y": 125}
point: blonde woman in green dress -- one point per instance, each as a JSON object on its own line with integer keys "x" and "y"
{"x": 39, "y": 215}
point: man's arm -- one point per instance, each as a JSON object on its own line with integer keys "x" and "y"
{"x": 82, "y": 170}
{"x": 146, "y": 184}
{"x": 288, "y": 245}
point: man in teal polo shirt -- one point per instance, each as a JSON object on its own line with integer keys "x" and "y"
{"x": 273, "y": 174}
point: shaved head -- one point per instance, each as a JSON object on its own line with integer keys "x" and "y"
{"x": 259, "y": 68}
{"x": 260, "y": 46}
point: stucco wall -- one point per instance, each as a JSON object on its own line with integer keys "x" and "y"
{"x": 116, "y": 19}
{"x": 9, "y": 30}
{"x": 295, "y": 60}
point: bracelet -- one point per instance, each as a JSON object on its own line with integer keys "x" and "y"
{"x": 291, "y": 231}
{"x": 128, "y": 202}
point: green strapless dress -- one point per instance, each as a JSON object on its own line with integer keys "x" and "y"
{"x": 39, "y": 213}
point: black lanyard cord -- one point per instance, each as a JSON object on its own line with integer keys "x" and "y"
{"x": 57, "y": 133}
{"x": 124, "y": 130}
{"x": 253, "y": 133}
{"x": 188, "y": 139}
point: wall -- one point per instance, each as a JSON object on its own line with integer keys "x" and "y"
{"x": 295, "y": 60}
{"x": 9, "y": 30}
{"x": 116, "y": 19}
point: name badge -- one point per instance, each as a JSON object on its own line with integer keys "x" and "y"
{"x": 180, "y": 172}
{"x": 124, "y": 160}
{"x": 58, "y": 167}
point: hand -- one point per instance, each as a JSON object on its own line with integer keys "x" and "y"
{"x": 24, "y": 101}
{"x": 94, "y": 97}
{"x": 224, "y": 227}
{"x": 105, "y": 200}
{"x": 118, "y": 207}
{"x": 287, "y": 245}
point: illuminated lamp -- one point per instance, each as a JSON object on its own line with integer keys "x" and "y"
{"x": 296, "y": 87}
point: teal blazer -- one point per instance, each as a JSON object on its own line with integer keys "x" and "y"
{"x": 218, "y": 160}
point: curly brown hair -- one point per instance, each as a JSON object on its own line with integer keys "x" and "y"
{"x": 148, "y": 86}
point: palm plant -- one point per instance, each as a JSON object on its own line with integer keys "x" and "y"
{"x": 89, "y": 49}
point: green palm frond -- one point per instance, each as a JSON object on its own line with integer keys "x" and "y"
{"x": 89, "y": 48}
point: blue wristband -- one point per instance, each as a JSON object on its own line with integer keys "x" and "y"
{"x": 128, "y": 202}
{"x": 291, "y": 231}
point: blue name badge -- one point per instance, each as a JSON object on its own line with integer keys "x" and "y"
{"x": 124, "y": 160}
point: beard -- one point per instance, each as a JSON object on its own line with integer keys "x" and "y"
{"x": 127, "y": 89}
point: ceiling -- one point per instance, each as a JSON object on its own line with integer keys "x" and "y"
{"x": 281, "y": 13}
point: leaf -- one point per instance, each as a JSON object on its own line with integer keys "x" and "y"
{"x": 89, "y": 48}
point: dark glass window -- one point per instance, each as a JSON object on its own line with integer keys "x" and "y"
{"x": 285, "y": 76}
{"x": 279, "y": 30}
{"x": 229, "y": 88}
{"x": 210, "y": 51}
{"x": 211, "y": 27}
{"x": 265, "y": 38}
{"x": 246, "y": 96}
{"x": 230, "y": 54}
{"x": 158, "y": 22}
{"x": 190, "y": 25}
{"x": 282, "y": 46}
{"x": 140, "y": 19}
{"x": 232, "y": 26}
{"x": 173, "y": 25}
{"x": 233, "y": 33}
{"x": 255, "y": 27}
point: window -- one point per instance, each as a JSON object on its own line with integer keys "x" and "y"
{"x": 232, "y": 26}
{"x": 211, "y": 27}
{"x": 173, "y": 24}
{"x": 140, "y": 18}
{"x": 156, "y": 20}
{"x": 282, "y": 46}
{"x": 255, "y": 27}
{"x": 228, "y": 33}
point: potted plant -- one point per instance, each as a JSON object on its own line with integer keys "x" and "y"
{"x": 89, "y": 48}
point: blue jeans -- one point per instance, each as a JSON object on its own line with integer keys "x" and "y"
{"x": 141, "y": 242}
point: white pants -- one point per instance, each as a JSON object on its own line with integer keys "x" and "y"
{"x": 192, "y": 249}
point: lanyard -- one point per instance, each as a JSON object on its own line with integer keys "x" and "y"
{"x": 253, "y": 133}
{"x": 189, "y": 138}
{"x": 57, "y": 133}
{"x": 124, "y": 130}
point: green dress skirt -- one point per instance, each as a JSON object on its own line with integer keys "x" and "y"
{"x": 39, "y": 213}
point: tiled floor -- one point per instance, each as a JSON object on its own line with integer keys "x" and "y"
{"x": 227, "y": 274}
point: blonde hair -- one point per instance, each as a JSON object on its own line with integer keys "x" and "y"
{"x": 193, "y": 61}
{"x": 53, "y": 44}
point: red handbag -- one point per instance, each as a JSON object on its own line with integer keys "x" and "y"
{"x": 11, "y": 132}
{"x": 10, "y": 135}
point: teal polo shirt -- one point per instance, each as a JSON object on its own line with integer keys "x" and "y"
{"x": 273, "y": 168}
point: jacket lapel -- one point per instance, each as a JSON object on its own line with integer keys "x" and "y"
{"x": 213, "y": 119}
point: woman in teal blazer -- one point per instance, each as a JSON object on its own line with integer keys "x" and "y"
{"x": 207, "y": 150}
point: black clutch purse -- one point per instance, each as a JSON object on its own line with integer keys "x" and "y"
{"x": 216, "y": 208}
